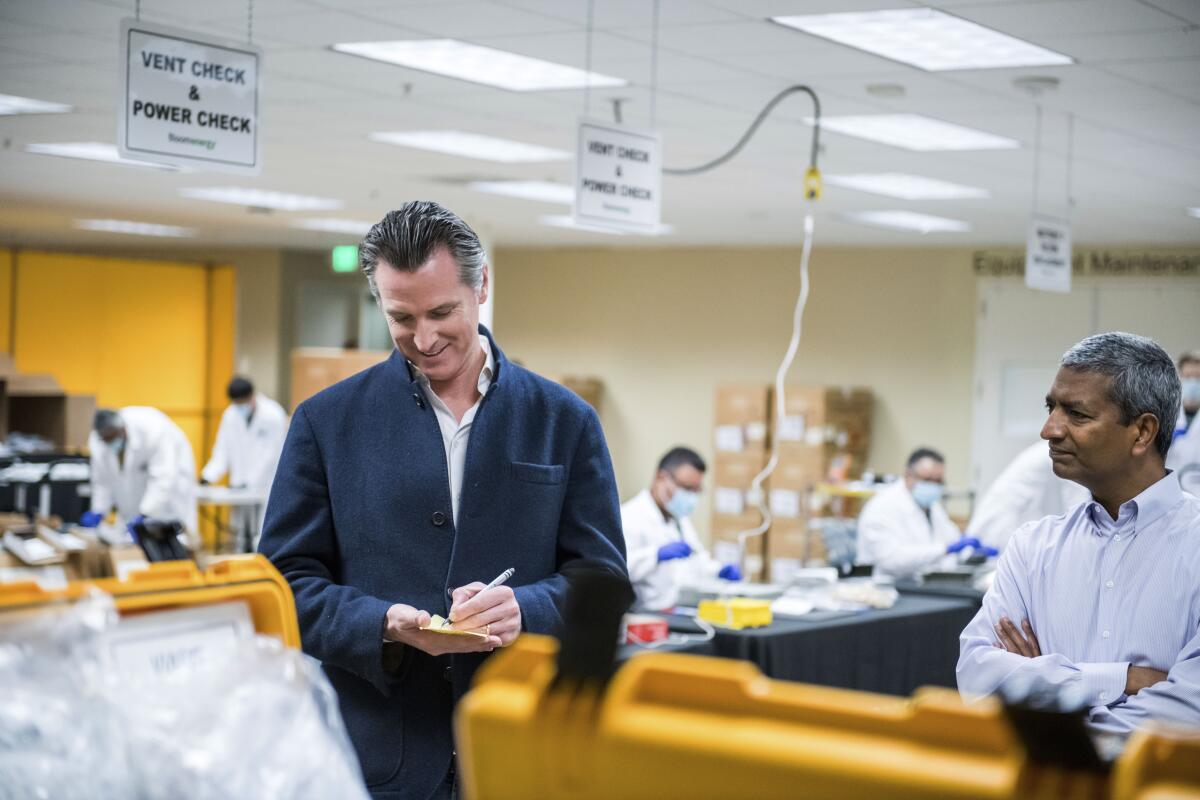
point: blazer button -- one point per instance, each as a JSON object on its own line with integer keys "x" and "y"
{"x": 438, "y": 519}
{"x": 448, "y": 674}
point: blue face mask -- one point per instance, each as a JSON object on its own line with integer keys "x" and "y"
{"x": 926, "y": 493}
{"x": 245, "y": 409}
{"x": 1191, "y": 392}
{"x": 117, "y": 445}
{"x": 682, "y": 503}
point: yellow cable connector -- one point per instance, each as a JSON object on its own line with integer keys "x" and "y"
{"x": 812, "y": 184}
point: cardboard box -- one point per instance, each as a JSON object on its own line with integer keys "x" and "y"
{"x": 732, "y": 475}
{"x": 36, "y": 404}
{"x": 724, "y": 532}
{"x": 790, "y": 546}
{"x": 741, "y": 418}
{"x": 317, "y": 368}
{"x": 820, "y": 415}
{"x": 589, "y": 388}
{"x": 126, "y": 559}
{"x": 53, "y": 576}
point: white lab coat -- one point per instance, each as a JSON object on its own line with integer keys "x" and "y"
{"x": 1185, "y": 450}
{"x": 1025, "y": 491}
{"x": 895, "y": 535}
{"x": 657, "y": 585}
{"x": 157, "y": 477}
{"x": 250, "y": 453}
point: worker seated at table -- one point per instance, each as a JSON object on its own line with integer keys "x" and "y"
{"x": 1185, "y": 449}
{"x": 142, "y": 465}
{"x": 1100, "y": 607}
{"x": 1025, "y": 491}
{"x": 249, "y": 443}
{"x": 664, "y": 550}
{"x": 904, "y": 530}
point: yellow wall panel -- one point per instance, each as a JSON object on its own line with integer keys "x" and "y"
{"x": 6, "y": 300}
{"x": 222, "y": 308}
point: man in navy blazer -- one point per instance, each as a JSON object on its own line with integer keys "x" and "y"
{"x": 406, "y": 487}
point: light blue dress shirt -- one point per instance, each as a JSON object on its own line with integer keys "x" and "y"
{"x": 1101, "y": 594}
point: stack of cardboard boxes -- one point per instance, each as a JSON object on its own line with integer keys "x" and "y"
{"x": 824, "y": 435}
{"x": 742, "y": 418}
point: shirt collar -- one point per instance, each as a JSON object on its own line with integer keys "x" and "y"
{"x": 485, "y": 374}
{"x": 1158, "y": 498}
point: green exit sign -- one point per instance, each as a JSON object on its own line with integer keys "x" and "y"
{"x": 344, "y": 258}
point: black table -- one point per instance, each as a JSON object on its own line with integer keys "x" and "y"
{"x": 695, "y": 647}
{"x": 914, "y": 643}
{"x": 944, "y": 589}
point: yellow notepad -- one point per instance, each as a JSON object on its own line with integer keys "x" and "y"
{"x": 435, "y": 626}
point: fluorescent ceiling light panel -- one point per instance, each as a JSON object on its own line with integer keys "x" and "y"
{"x": 1194, "y": 212}
{"x": 473, "y": 145}
{"x": 132, "y": 227}
{"x": 907, "y": 187}
{"x": 916, "y": 132}
{"x": 909, "y": 221}
{"x": 478, "y": 64}
{"x": 567, "y": 221}
{"x": 541, "y": 191}
{"x": 93, "y": 151}
{"x": 930, "y": 40}
{"x": 356, "y": 227}
{"x": 12, "y": 104}
{"x": 260, "y": 198}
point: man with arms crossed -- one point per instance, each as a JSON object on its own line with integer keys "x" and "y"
{"x": 1103, "y": 603}
{"x": 404, "y": 489}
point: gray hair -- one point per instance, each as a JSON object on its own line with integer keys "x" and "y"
{"x": 408, "y": 236}
{"x": 107, "y": 420}
{"x": 1144, "y": 380}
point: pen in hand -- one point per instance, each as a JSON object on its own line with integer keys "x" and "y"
{"x": 497, "y": 581}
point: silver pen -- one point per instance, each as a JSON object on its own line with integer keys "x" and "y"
{"x": 497, "y": 581}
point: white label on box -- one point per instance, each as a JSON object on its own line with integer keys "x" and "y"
{"x": 178, "y": 641}
{"x": 729, "y": 438}
{"x": 725, "y": 552}
{"x": 791, "y": 429}
{"x": 785, "y": 503}
{"x": 188, "y": 99}
{"x": 129, "y": 566}
{"x": 842, "y": 439}
{"x": 618, "y": 177}
{"x": 783, "y": 570}
{"x": 754, "y": 564}
{"x": 756, "y": 431}
{"x": 729, "y": 501}
{"x": 814, "y": 436}
{"x": 49, "y": 578}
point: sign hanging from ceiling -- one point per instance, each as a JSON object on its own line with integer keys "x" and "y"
{"x": 1048, "y": 255}
{"x": 188, "y": 99}
{"x": 618, "y": 177}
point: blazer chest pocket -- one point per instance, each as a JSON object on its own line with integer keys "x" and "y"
{"x": 551, "y": 474}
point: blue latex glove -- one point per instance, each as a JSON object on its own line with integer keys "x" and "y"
{"x": 963, "y": 544}
{"x": 131, "y": 526}
{"x": 91, "y": 519}
{"x": 988, "y": 552}
{"x": 730, "y": 572}
{"x": 679, "y": 549}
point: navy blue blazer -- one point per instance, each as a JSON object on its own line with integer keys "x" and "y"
{"x": 359, "y": 518}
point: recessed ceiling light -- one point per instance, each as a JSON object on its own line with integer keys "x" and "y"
{"x": 478, "y": 64}
{"x": 541, "y": 191}
{"x": 260, "y": 198}
{"x": 12, "y": 104}
{"x": 567, "y": 221}
{"x": 132, "y": 227}
{"x": 1194, "y": 212}
{"x": 928, "y": 39}
{"x": 472, "y": 145}
{"x": 909, "y": 221}
{"x": 356, "y": 227}
{"x": 94, "y": 151}
{"x": 907, "y": 187}
{"x": 916, "y": 132}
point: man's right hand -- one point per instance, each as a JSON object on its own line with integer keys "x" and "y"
{"x": 404, "y": 625}
{"x": 1141, "y": 677}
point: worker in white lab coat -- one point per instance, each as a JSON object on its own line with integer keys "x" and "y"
{"x": 904, "y": 530}
{"x": 1025, "y": 491}
{"x": 664, "y": 552}
{"x": 142, "y": 465}
{"x": 249, "y": 443}
{"x": 1184, "y": 455}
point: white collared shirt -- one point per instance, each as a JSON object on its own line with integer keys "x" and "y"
{"x": 455, "y": 433}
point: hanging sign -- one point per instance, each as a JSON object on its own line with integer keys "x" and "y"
{"x": 618, "y": 177}
{"x": 1048, "y": 255}
{"x": 187, "y": 99}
